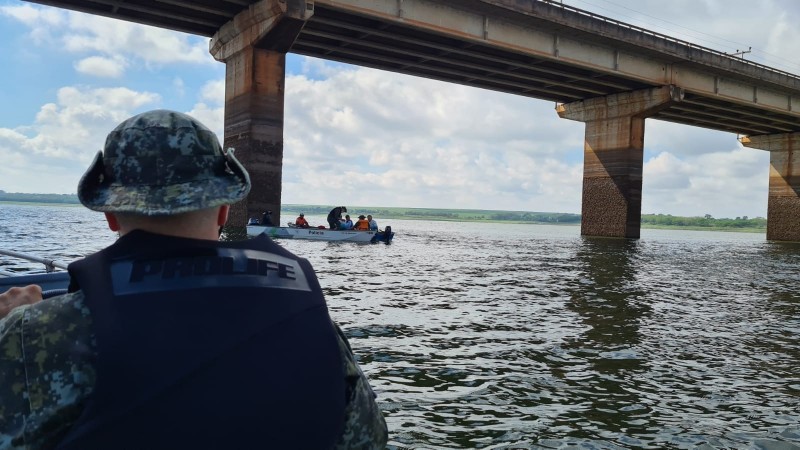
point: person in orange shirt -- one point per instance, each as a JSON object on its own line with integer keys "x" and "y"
{"x": 301, "y": 221}
{"x": 362, "y": 224}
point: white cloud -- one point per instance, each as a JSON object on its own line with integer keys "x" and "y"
{"x": 41, "y": 20}
{"x": 51, "y": 154}
{"x": 112, "y": 45}
{"x": 211, "y": 116}
{"x": 666, "y": 172}
{"x": 101, "y": 67}
{"x": 88, "y": 33}
{"x": 407, "y": 137}
{"x": 214, "y": 92}
{"x": 725, "y": 184}
{"x": 210, "y": 110}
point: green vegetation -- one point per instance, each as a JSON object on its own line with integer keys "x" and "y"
{"x": 58, "y": 199}
{"x": 758, "y": 224}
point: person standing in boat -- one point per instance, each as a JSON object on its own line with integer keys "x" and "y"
{"x": 170, "y": 338}
{"x": 266, "y": 219}
{"x": 361, "y": 224}
{"x": 301, "y": 221}
{"x": 335, "y": 217}
{"x": 373, "y": 224}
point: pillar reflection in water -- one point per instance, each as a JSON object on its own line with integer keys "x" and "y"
{"x": 604, "y": 359}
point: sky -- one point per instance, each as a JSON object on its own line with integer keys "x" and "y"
{"x": 359, "y": 136}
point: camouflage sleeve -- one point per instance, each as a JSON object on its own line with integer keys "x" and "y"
{"x": 45, "y": 371}
{"x": 364, "y": 426}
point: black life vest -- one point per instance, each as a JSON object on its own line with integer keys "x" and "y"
{"x": 204, "y": 344}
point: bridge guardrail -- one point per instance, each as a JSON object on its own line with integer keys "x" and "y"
{"x": 670, "y": 38}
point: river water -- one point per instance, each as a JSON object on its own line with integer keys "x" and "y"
{"x": 506, "y": 336}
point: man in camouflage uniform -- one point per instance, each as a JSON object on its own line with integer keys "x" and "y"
{"x": 70, "y": 365}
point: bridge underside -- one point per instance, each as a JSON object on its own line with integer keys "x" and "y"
{"x": 531, "y": 48}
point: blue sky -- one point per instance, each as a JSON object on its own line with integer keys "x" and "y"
{"x": 390, "y": 140}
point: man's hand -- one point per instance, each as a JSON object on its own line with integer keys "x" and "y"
{"x": 18, "y": 296}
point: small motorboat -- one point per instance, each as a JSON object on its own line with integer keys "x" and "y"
{"x": 321, "y": 233}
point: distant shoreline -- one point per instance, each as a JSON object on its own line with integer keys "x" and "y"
{"x": 649, "y": 221}
{"x": 26, "y": 203}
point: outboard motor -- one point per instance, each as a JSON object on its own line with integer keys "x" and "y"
{"x": 382, "y": 236}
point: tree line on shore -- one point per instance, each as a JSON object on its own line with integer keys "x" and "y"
{"x": 38, "y": 198}
{"x": 703, "y": 222}
{"x": 657, "y": 220}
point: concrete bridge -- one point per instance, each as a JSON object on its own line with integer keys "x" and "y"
{"x": 605, "y": 73}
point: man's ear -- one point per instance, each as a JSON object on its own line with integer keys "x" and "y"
{"x": 113, "y": 223}
{"x": 222, "y": 215}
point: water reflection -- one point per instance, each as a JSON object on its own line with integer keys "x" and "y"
{"x": 605, "y": 357}
{"x": 608, "y": 299}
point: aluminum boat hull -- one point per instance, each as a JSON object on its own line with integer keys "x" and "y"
{"x": 321, "y": 234}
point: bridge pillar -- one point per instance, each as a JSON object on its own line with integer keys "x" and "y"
{"x": 253, "y": 46}
{"x": 613, "y": 153}
{"x": 783, "y": 203}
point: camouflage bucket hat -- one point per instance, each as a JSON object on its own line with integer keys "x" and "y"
{"x": 161, "y": 163}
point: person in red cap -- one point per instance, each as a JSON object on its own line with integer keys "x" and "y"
{"x": 301, "y": 221}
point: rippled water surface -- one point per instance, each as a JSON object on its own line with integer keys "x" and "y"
{"x": 525, "y": 336}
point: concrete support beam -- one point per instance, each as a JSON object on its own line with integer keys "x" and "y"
{"x": 613, "y": 154}
{"x": 254, "y": 97}
{"x": 253, "y": 46}
{"x": 783, "y": 204}
{"x": 269, "y": 24}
